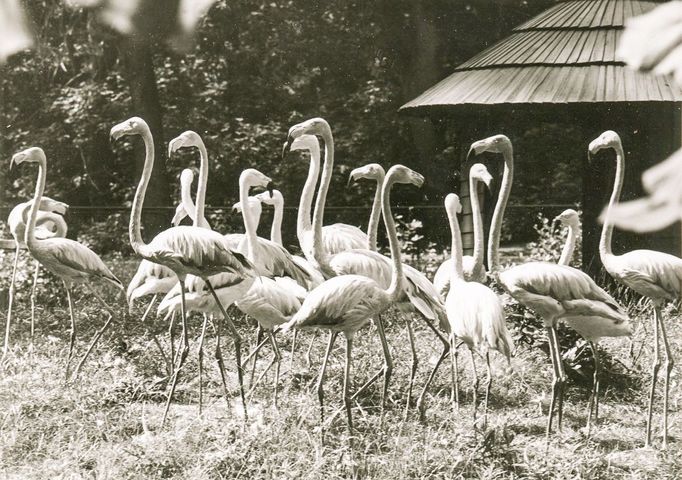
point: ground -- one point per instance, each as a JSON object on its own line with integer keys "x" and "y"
{"x": 107, "y": 423}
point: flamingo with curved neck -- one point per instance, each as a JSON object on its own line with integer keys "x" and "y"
{"x": 655, "y": 275}
{"x": 185, "y": 250}
{"x": 497, "y": 144}
{"x": 374, "y": 172}
{"x": 69, "y": 260}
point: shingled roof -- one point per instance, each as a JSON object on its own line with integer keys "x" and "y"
{"x": 564, "y": 55}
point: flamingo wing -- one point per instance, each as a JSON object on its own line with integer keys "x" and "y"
{"x": 276, "y": 261}
{"x": 269, "y": 302}
{"x": 650, "y": 273}
{"x": 340, "y": 237}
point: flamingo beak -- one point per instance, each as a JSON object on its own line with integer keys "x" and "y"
{"x": 286, "y": 148}
{"x": 351, "y": 179}
{"x": 270, "y": 187}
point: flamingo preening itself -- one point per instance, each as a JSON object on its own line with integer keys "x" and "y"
{"x": 590, "y": 328}
{"x": 654, "y": 275}
{"x": 475, "y": 312}
{"x": 49, "y": 224}
{"x": 474, "y": 269}
{"x": 419, "y": 293}
{"x": 346, "y": 303}
{"x": 186, "y": 250}
{"x": 69, "y": 260}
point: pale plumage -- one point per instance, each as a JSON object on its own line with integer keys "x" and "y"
{"x": 50, "y": 223}
{"x": 474, "y": 270}
{"x": 420, "y": 295}
{"x": 185, "y": 250}
{"x": 347, "y": 303}
{"x": 655, "y": 275}
{"x": 375, "y": 173}
{"x": 474, "y": 312}
{"x": 72, "y": 262}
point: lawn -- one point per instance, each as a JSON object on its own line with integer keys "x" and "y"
{"x": 107, "y": 423}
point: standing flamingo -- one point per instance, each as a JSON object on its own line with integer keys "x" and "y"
{"x": 185, "y": 250}
{"x": 655, "y": 275}
{"x": 590, "y": 328}
{"x": 72, "y": 262}
{"x": 475, "y": 312}
{"x": 49, "y": 224}
{"x": 376, "y": 173}
{"x": 346, "y": 303}
{"x": 472, "y": 266}
{"x": 420, "y": 294}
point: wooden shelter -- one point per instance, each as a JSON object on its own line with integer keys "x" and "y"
{"x": 561, "y": 64}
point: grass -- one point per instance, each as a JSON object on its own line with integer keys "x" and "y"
{"x": 107, "y": 424}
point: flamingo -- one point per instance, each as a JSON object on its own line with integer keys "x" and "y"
{"x": 337, "y": 237}
{"x": 69, "y": 260}
{"x": 185, "y": 250}
{"x": 376, "y": 173}
{"x": 420, "y": 294}
{"x": 346, "y": 303}
{"x": 474, "y": 311}
{"x": 472, "y": 266}
{"x": 590, "y": 328}
{"x": 49, "y": 224}
{"x": 654, "y": 275}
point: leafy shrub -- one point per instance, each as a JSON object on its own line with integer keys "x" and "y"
{"x": 107, "y": 236}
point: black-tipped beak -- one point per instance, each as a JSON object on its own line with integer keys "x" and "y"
{"x": 270, "y": 187}
{"x": 350, "y": 181}
{"x": 286, "y": 148}
{"x": 11, "y": 163}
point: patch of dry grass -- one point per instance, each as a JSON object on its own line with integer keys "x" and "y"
{"x": 106, "y": 424}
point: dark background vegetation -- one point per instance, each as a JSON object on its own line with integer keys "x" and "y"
{"x": 256, "y": 69}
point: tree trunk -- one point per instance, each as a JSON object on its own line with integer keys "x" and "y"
{"x": 145, "y": 97}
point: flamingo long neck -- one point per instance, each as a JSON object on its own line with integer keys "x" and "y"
{"x": 374, "y": 217}
{"x": 395, "y": 288}
{"x": 303, "y": 220}
{"x": 29, "y": 235}
{"x": 478, "y": 222}
{"x": 318, "y": 246}
{"x": 569, "y": 246}
{"x": 250, "y": 226}
{"x": 199, "y": 220}
{"x": 498, "y": 214}
{"x": 276, "y": 227}
{"x": 187, "y": 202}
{"x": 457, "y": 270}
{"x": 607, "y": 230}
{"x": 134, "y": 230}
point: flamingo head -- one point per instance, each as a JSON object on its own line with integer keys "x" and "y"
{"x": 305, "y": 142}
{"x": 274, "y": 199}
{"x": 180, "y": 214}
{"x": 185, "y": 139}
{"x": 132, "y": 126}
{"x": 31, "y": 155}
{"x": 251, "y": 177}
{"x": 452, "y": 203}
{"x": 371, "y": 171}
{"x": 495, "y": 144}
{"x": 568, "y": 217}
{"x": 608, "y": 139}
{"x": 313, "y": 126}
{"x": 403, "y": 174}
{"x": 481, "y": 173}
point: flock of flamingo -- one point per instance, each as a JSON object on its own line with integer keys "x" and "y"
{"x": 342, "y": 283}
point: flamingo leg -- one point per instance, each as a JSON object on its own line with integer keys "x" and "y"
{"x": 153, "y": 335}
{"x": 475, "y": 386}
{"x": 171, "y": 335}
{"x": 237, "y": 346}
{"x": 201, "y": 363}
{"x": 259, "y": 338}
{"x": 669, "y": 363}
{"x": 278, "y": 357}
{"x": 413, "y": 370}
{"x": 263, "y": 373}
{"x": 183, "y": 353}
{"x": 654, "y": 374}
{"x": 562, "y": 378}
{"x": 99, "y": 332}
{"x": 12, "y": 289}
{"x": 388, "y": 362}
{"x": 346, "y": 388}
{"x": 555, "y": 386}
{"x": 253, "y": 352}
{"x": 218, "y": 355}
{"x": 454, "y": 394}
{"x": 33, "y": 303}
{"x": 308, "y": 355}
{"x": 320, "y": 380}
{"x": 594, "y": 397}
{"x": 488, "y": 384}
{"x": 293, "y": 350}
{"x": 72, "y": 335}
{"x": 446, "y": 349}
